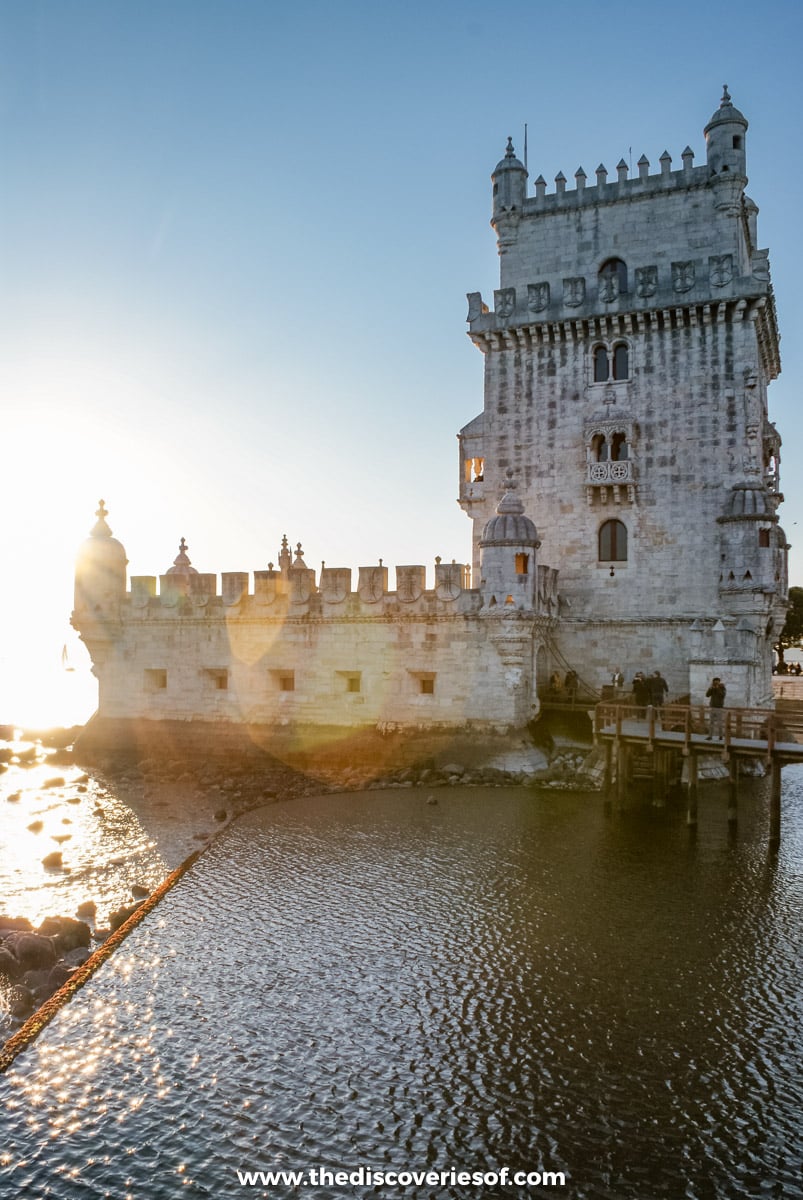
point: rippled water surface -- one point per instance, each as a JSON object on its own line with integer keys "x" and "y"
{"x": 506, "y": 978}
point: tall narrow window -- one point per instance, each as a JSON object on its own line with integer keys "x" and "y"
{"x": 600, "y": 364}
{"x": 620, "y": 361}
{"x": 522, "y": 564}
{"x": 613, "y": 542}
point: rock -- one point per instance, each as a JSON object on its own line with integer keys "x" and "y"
{"x": 58, "y": 976}
{"x": 13, "y": 797}
{"x": 31, "y": 950}
{"x": 432, "y": 800}
{"x": 61, "y": 758}
{"x": 36, "y": 982}
{"x": 87, "y": 908}
{"x": 139, "y": 892}
{"x": 9, "y": 963}
{"x": 221, "y": 814}
{"x": 53, "y": 860}
{"x": 67, "y": 933}
{"x": 17, "y": 923}
{"x": 78, "y": 956}
{"x": 20, "y": 1002}
{"x": 54, "y": 781}
{"x": 121, "y": 915}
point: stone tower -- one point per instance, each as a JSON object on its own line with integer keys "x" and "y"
{"x": 627, "y": 358}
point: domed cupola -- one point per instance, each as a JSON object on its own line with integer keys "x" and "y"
{"x": 510, "y": 526}
{"x": 508, "y": 555}
{"x": 509, "y": 183}
{"x": 100, "y": 569}
{"x": 750, "y": 500}
{"x": 725, "y": 140}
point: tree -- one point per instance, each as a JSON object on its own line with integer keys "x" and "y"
{"x": 792, "y": 631}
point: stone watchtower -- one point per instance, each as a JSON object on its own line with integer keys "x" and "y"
{"x": 627, "y": 358}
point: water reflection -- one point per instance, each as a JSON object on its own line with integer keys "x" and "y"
{"x": 506, "y": 978}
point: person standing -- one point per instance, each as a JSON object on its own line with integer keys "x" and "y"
{"x": 716, "y": 699}
{"x": 658, "y": 689}
{"x": 641, "y": 693}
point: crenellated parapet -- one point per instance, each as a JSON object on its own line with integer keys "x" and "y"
{"x": 297, "y": 591}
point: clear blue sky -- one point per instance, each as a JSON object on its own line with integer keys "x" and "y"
{"x": 236, "y": 238}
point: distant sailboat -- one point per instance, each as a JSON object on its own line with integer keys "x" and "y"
{"x": 65, "y": 659}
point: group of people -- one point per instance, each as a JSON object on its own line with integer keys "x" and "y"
{"x": 649, "y": 689}
{"x": 566, "y": 688}
{"x": 784, "y": 668}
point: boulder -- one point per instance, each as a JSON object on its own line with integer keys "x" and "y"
{"x": 59, "y": 974}
{"x": 53, "y": 860}
{"x": 18, "y": 923}
{"x": 67, "y": 933}
{"x": 121, "y": 915}
{"x": 21, "y": 1002}
{"x": 78, "y": 956}
{"x": 87, "y": 908}
{"x": 9, "y": 963}
{"x": 31, "y": 950}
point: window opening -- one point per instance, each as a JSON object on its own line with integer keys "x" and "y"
{"x": 522, "y": 564}
{"x": 156, "y": 680}
{"x": 613, "y": 542}
{"x": 600, "y": 364}
{"x": 620, "y": 361}
{"x": 619, "y": 447}
{"x": 763, "y": 537}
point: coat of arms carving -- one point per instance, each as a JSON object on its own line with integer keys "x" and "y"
{"x": 574, "y": 291}
{"x": 646, "y": 281}
{"x": 537, "y": 296}
{"x": 683, "y": 276}
{"x": 720, "y": 269}
{"x": 505, "y": 303}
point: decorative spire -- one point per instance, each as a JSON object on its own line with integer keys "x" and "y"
{"x": 726, "y": 98}
{"x": 509, "y": 501}
{"x": 285, "y": 557}
{"x": 509, "y": 151}
{"x": 100, "y": 528}
{"x": 181, "y": 563}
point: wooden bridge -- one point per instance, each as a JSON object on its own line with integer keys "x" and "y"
{"x": 685, "y": 730}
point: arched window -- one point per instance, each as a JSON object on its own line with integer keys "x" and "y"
{"x": 613, "y": 542}
{"x": 620, "y": 361}
{"x": 600, "y": 364}
{"x": 599, "y": 448}
{"x": 619, "y": 447}
{"x": 612, "y": 279}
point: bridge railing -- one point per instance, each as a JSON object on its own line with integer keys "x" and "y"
{"x": 759, "y": 724}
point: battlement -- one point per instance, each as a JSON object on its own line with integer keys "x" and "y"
{"x": 624, "y": 187}
{"x": 297, "y": 591}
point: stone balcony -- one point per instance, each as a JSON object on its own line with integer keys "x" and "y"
{"x": 610, "y": 481}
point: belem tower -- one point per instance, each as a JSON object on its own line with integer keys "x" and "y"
{"x": 622, "y": 482}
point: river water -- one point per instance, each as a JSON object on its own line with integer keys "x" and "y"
{"x": 506, "y": 978}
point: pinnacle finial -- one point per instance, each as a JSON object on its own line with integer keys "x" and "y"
{"x": 100, "y": 528}
{"x": 509, "y": 151}
{"x": 726, "y": 96}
